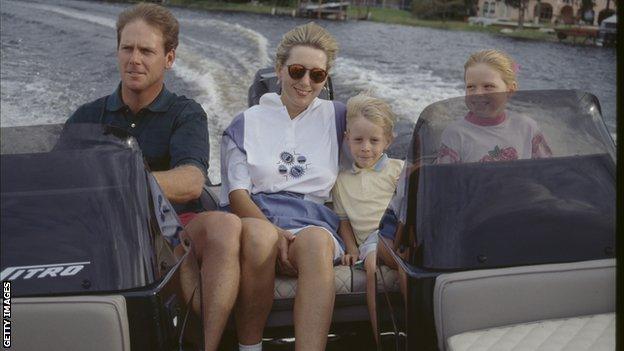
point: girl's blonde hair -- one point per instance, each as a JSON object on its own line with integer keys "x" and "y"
{"x": 498, "y": 60}
{"x": 312, "y": 35}
{"x": 373, "y": 109}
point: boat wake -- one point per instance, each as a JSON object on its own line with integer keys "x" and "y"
{"x": 407, "y": 94}
{"x": 215, "y": 74}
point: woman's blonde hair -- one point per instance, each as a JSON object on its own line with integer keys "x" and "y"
{"x": 373, "y": 109}
{"x": 498, "y": 60}
{"x": 312, "y": 35}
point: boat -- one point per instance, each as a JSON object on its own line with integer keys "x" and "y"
{"x": 87, "y": 243}
{"x": 607, "y": 32}
{"x": 86, "y": 252}
{"x": 515, "y": 253}
{"x": 585, "y": 33}
{"x": 330, "y": 10}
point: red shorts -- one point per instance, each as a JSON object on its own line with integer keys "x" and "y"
{"x": 186, "y": 217}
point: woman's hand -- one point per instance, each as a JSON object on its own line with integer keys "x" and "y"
{"x": 283, "y": 264}
{"x": 350, "y": 257}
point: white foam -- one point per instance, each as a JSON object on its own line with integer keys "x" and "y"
{"x": 261, "y": 59}
{"x": 200, "y": 72}
{"x": 190, "y": 67}
{"x": 221, "y": 93}
{"x": 107, "y": 22}
{"x": 407, "y": 94}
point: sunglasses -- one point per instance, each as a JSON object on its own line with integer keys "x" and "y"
{"x": 297, "y": 71}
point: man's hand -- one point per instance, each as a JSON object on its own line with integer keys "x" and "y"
{"x": 283, "y": 264}
{"x": 350, "y": 257}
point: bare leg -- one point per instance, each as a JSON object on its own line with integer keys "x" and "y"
{"x": 370, "y": 264}
{"x": 386, "y": 258}
{"x": 189, "y": 285}
{"x": 384, "y": 255}
{"x": 216, "y": 244}
{"x": 312, "y": 254}
{"x": 258, "y": 255}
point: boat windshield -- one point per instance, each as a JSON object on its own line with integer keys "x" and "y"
{"x": 505, "y": 179}
{"x": 76, "y": 214}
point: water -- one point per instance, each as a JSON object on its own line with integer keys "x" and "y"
{"x": 56, "y": 55}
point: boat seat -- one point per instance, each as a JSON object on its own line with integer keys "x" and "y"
{"x": 348, "y": 280}
{"x": 531, "y": 302}
{"x": 350, "y": 304}
{"x": 585, "y": 333}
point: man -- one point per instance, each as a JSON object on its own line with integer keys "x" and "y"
{"x": 173, "y": 136}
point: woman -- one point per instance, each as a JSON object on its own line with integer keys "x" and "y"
{"x": 279, "y": 161}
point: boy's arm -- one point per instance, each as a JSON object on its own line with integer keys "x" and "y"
{"x": 345, "y": 230}
{"x": 346, "y": 233}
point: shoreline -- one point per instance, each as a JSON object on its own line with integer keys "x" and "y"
{"x": 388, "y": 16}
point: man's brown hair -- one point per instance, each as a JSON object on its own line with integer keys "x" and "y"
{"x": 154, "y": 15}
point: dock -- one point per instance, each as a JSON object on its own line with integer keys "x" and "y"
{"x": 585, "y": 33}
{"x": 329, "y": 10}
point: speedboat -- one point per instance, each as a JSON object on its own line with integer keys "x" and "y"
{"x": 482, "y": 248}
{"x": 87, "y": 240}
{"x": 510, "y": 253}
{"x": 607, "y": 32}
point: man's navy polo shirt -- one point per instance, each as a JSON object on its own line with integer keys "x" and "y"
{"x": 171, "y": 131}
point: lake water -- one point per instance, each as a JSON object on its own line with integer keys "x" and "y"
{"x": 56, "y": 55}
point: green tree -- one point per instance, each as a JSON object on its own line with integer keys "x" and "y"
{"x": 440, "y": 9}
{"x": 471, "y": 7}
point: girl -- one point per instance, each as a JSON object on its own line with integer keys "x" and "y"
{"x": 487, "y": 133}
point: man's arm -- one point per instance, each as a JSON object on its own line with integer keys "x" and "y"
{"x": 189, "y": 151}
{"x": 243, "y": 206}
{"x": 181, "y": 184}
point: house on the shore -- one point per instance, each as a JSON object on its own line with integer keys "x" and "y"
{"x": 546, "y": 11}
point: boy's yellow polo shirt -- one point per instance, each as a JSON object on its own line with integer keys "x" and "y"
{"x": 361, "y": 195}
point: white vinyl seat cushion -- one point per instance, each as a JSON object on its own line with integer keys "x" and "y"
{"x": 586, "y": 333}
{"x": 67, "y": 323}
{"x": 348, "y": 280}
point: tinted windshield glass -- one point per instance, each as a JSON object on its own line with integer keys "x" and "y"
{"x": 556, "y": 123}
{"x": 59, "y": 137}
{"x": 75, "y": 210}
{"x": 505, "y": 179}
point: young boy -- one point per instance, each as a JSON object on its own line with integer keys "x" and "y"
{"x": 361, "y": 194}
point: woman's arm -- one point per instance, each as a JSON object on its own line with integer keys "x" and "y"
{"x": 346, "y": 233}
{"x": 242, "y": 205}
{"x": 236, "y": 185}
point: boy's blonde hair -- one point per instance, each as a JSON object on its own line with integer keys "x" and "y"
{"x": 373, "y": 109}
{"x": 311, "y": 35}
{"x": 498, "y": 60}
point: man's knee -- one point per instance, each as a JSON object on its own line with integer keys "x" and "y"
{"x": 223, "y": 220}
{"x": 216, "y": 231}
